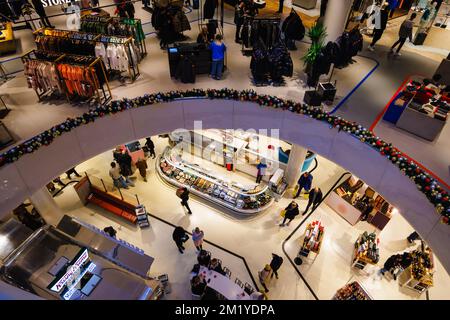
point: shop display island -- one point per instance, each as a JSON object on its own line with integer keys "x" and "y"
{"x": 210, "y": 187}
{"x": 351, "y": 200}
{"x": 312, "y": 241}
{"x": 419, "y": 275}
{"x": 366, "y": 251}
{"x": 352, "y": 291}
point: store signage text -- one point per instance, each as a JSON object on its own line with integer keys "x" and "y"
{"x": 70, "y": 272}
{"x": 51, "y": 3}
{"x": 73, "y": 287}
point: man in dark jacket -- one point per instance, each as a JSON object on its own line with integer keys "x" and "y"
{"x": 275, "y": 264}
{"x": 315, "y": 197}
{"x": 180, "y": 236}
{"x": 380, "y": 25}
{"x": 392, "y": 262}
{"x": 405, "y": 32}
{"x": 304, "y": 182}
{"x": 39, "y": 8}
{"x": 184, "y": 199}
{"x": 150, "y": 146}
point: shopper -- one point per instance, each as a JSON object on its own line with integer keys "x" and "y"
{"x": 125, "y": 162}
{"x": 304, "y": 182}
{"x": 197, "y": 237}
{"x": 118, "y": 179}
{"x": 413, "y": 237}
{"x": 141, "y": 164}
{"x": 203, "y": 36}
{"x": 110, "y": 231}
{"x": 264, "y": 275}
{"x": 291, "y": 211}
{"x": 72, "y": 171}
{"x": 239, "y": 20}
{"x": 391, "y": 263}
{"x": 215, "y": 265}
{"x": 39, "y": 8}
{"x": 180, "y": 236}
{"x": 368, "y": 210}
{"x": 218, "y": 49}
{"x": 380, "y": 25}
{"x": 405, "y": 32}
{"x": 262, "y": 166}
{"x": 151, "y": 147}
{"x": 315, "y": 197}
{"x": 184, "y": 196}
{"x": 198, "y": 285}
{"x": 275, "y": 264}
{"x": 204, "y": 258}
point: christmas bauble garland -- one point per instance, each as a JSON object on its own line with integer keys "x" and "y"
{"x": 424, "y": 182}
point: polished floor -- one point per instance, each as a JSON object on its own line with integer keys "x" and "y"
{"x": 331, "y": 269}
{"x": 253, "y": 238}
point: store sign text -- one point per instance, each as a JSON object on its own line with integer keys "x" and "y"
{"x": 51, "y": 3}
{"x": 70, "y": 272}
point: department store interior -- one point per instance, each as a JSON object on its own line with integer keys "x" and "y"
{"x": 224, "y": 150}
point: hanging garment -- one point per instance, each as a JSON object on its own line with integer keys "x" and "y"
{"x": 209, "y": 8}
{"x": 100, "y": 51}
{"x": 293, "y": 27}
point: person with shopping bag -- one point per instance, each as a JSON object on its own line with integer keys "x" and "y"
{"x": 289, "y": 213}
{"x": 264, "y": 276}
{"x": 304, "y": 182}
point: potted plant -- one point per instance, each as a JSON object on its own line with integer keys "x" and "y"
{"x": 317, "y": 34}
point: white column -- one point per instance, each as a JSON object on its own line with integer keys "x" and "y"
{"x": 336, "y": 18}
{"x": 295, "y": 164}
{"x": 44, "y": 203}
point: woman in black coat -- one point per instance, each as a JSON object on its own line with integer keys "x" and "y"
{"x": 291, "y": 212}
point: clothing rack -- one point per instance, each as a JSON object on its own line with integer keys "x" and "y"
{"x": 138, "y": 33}
{"x": 102, "y": 90}
{"x": 249, "y": 20}
{"x": 218, "y": 16}
{"x": 51, "y": 58}
{"x": 133, "y": 69}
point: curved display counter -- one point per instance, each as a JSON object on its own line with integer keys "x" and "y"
{"x": 210, "y": 187}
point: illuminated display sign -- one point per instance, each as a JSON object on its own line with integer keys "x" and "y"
{"x": 73, "y": 270}
{"x": 51, "y": 3}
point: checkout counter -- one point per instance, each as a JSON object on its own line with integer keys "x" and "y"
{"x": 419, "y": 110}
{"x": 74, "y": 262}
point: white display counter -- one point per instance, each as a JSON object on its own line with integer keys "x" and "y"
{"x": 212, "y": 188}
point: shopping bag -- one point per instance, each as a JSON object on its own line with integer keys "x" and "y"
{"x": 283, "y": 213}
{"x": 179, "y": 192}
{"x": 295, "y": 191}
{"x": 306, "y": 195}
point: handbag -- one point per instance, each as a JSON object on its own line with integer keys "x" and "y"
{"x": 283, "y": 213}
{"x": 179, "y": 192}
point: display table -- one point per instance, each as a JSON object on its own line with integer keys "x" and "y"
{"x": 352, "y": 291}
{"x": 7, "y": 41}
{"x": 366, "y": 251}
{"x": 209, "y": 186}
{"x": 223, "y": 285}
{"x": 313, "y": 240}
{"x": 420, "y": 124}
{"x": 419, "y": 275}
